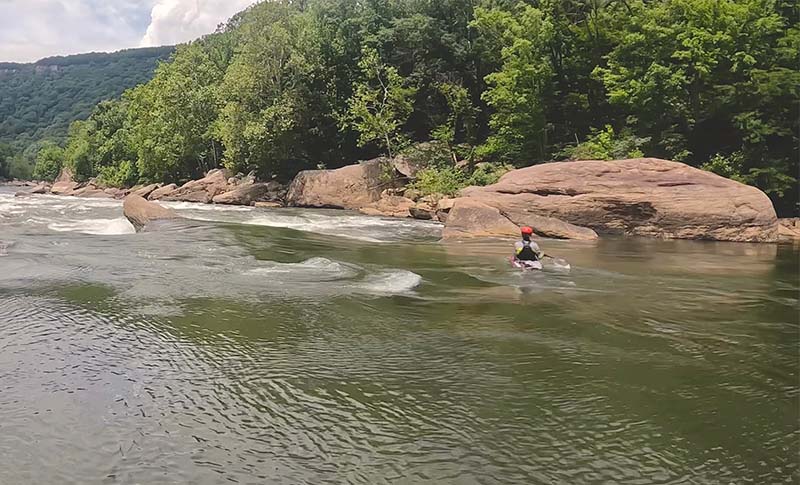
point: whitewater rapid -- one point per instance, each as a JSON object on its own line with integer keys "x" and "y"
{"x": 90, "y": 240}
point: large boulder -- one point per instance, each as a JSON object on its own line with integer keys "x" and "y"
{"x": 141, "y": 212}
{"x": 640, "y": 197}
{"x": 245, "y": 194}
{"x": 471, "y": 218}
{"x": 202, "y": 190}
{"x": 64, "y": 188}
{"x": 351, "y": 187}
{"x": 162, "y": 192}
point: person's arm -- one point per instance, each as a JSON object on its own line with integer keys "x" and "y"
{"x": 537, "y": 250}
{"x": 517, "y": 248}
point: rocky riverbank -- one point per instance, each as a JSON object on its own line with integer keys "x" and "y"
{"x": 566, "y": 200}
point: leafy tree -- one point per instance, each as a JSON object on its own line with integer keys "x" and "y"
{"x": 518, "y": 89}
{"x": 48, "y": 163}
{"x": 381, "y": 104}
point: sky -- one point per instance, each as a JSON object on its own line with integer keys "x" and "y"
{"x": 33, "y": 29}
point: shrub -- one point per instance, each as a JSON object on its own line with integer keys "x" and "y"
{"x": 449, "y": 180}
{"x": 607, "y": 144}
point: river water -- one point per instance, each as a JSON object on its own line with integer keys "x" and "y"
{"x": 293, "y": 346}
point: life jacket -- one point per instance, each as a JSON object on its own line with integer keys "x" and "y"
{"x": 527, "y": 253}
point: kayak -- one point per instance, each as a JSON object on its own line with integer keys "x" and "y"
{"x": 525, "y": 265}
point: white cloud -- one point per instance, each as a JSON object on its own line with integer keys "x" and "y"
{"x": 32, "y": 29}
{"x": 176, "y": 21}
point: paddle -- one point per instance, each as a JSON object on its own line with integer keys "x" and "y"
{"x": 559, "y": 262}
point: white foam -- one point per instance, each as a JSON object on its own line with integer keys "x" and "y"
{"x": 103, "y": 227}
{"x": 316, "y": 268}
{"x": 391, "y": 282}
{"x": 182, "y": 206}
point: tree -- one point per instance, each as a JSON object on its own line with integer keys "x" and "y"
{"x": 6, "y": 154}
{"x": 49, "y": 161}
{"x": 517, "y": 91}
{"x": 380, "y": 105}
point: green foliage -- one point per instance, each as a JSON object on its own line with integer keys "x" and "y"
{"x": 487, "y": 174}
{"x": 517, "y": 91}
{"x": 20, "y": 168}
{"x": 6, "y": 155}
{"x": 440, "y": 180}
{"x": 461, "y": 117}
{"x": 606, "y": 144}
{"x": 49, "y": 161}
{"x": 429, "y": 154}
{"x": 448, "y": 180}
{"x": 289, "y": 85}
{"x": 381, "y": 104}
{"x": 122, "y": 175}
{"x": 771, "y": 180}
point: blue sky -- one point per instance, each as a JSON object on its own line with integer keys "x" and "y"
{"x": 32, "y": 29}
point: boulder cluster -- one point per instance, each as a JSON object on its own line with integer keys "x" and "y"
{"x": 567, "y": 200}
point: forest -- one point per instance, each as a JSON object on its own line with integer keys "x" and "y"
{"x": 297, "y": 84}
{"x": 38, "y": 101}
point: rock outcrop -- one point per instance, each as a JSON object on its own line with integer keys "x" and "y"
{"x": 789, "y": 230}
{"x": 202, "y": 190}
{"x": 246, "y": 193}
{"x": 145, "y": 191}
{"x": 162, "y": 192}
{"x": 471, "y": 218}
{"x": 350, "y": 187}
{"x": 141, "y": 212}
{"x": 41, "y": 188}
{"x": 639, "y": 197}
{"x": 389, "y": 206}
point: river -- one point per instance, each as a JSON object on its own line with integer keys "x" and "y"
{"x": 295, "y": 346}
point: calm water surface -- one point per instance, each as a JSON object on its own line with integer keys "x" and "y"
{"x": 291, "y": 346}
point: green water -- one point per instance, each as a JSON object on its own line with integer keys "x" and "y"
{"x": 258, "y": 346}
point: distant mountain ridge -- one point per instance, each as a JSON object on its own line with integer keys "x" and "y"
{"x": 39, "y": 100}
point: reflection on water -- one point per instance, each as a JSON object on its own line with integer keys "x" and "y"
{"x": 291, "y": 346}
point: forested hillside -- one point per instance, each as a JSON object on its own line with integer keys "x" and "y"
{"x": 289, "y": 85}
{"x": 38, "y": 101}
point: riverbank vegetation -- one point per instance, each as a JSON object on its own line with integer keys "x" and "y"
{"x": 291, "y": 85}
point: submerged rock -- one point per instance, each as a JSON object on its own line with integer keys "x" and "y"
{"x": 639, "y": 197}
{"x": 141, "y": 212}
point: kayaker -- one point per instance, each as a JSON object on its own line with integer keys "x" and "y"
{"x": 527, "y": 250}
